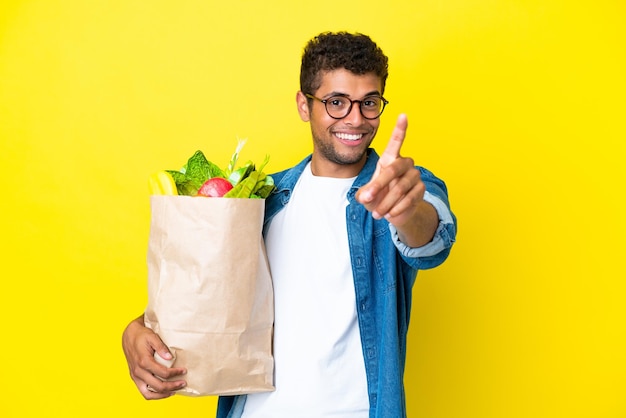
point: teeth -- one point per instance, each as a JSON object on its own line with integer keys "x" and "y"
{"x": 349, "y": 137}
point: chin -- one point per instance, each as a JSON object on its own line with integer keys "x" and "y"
{"x": 349, "y": 158}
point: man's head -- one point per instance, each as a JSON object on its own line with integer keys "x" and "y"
{"x": 329, "y": 51}
{"x": 342, "y": 81}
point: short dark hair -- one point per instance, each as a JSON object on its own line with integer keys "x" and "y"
{"x": 330, "y": 51}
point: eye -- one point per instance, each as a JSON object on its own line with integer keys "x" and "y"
{"x": 337, "y": 102}
{"x": 371, "y": 102}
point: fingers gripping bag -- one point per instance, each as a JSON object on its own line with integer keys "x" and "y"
{"x": 210, "y": 295}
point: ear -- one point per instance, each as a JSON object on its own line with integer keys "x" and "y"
{"x": 303, "y": 106}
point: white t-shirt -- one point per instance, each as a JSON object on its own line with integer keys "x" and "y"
{"x": 319, "y": 366}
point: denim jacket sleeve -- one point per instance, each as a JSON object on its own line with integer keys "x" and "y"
{"x": 437, "y": 250}
{"x": 444, "y": 235}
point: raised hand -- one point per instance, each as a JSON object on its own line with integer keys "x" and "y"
{"x": 396, "y": 192}
{"x": 396, "y": 187}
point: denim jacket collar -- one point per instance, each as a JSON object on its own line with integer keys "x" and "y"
{"x": 287, "y": 182}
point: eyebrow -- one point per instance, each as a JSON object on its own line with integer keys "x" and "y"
{"x": 338, "y": 93}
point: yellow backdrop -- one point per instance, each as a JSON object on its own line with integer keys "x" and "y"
{"x": 518, "y": 105}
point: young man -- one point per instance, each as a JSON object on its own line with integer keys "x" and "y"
{"x": 346, "y": 233}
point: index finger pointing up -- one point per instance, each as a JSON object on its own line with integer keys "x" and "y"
{"x": 392, "y": 151}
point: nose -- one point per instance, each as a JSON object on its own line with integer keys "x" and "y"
{"x": 354, "y": 117}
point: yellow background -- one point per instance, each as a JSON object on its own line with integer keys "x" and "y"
{"x": 518, "y": 105}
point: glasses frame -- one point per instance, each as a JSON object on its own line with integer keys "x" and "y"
{"x": 360, "y": 102}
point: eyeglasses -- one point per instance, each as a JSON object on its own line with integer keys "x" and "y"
{"x": 338, "y": 107}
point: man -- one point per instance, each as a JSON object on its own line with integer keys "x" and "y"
{"x": 346, "y": 233}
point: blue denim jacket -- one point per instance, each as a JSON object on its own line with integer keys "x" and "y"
{"x": 384, "y": 271}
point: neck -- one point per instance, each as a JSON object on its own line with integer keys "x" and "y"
{"x": 323, "y": 168}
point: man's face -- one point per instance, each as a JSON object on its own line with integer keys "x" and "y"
{"x": 340, "y": 145}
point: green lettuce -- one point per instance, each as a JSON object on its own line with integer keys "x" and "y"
{"x": 247, "y": 180}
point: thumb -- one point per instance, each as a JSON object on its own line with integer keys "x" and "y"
{"x": 160, "y": 348}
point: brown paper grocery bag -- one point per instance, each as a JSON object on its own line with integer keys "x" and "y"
{"x": 210, "y": 294}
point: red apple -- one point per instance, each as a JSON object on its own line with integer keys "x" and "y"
{"x": 215, "y": 187}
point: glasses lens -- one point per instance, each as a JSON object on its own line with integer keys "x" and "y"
{"x": 372, "y": 107}
{"x": 338, "y": 106}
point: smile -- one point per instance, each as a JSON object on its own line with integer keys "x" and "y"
{"x": 348, "y": 137}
